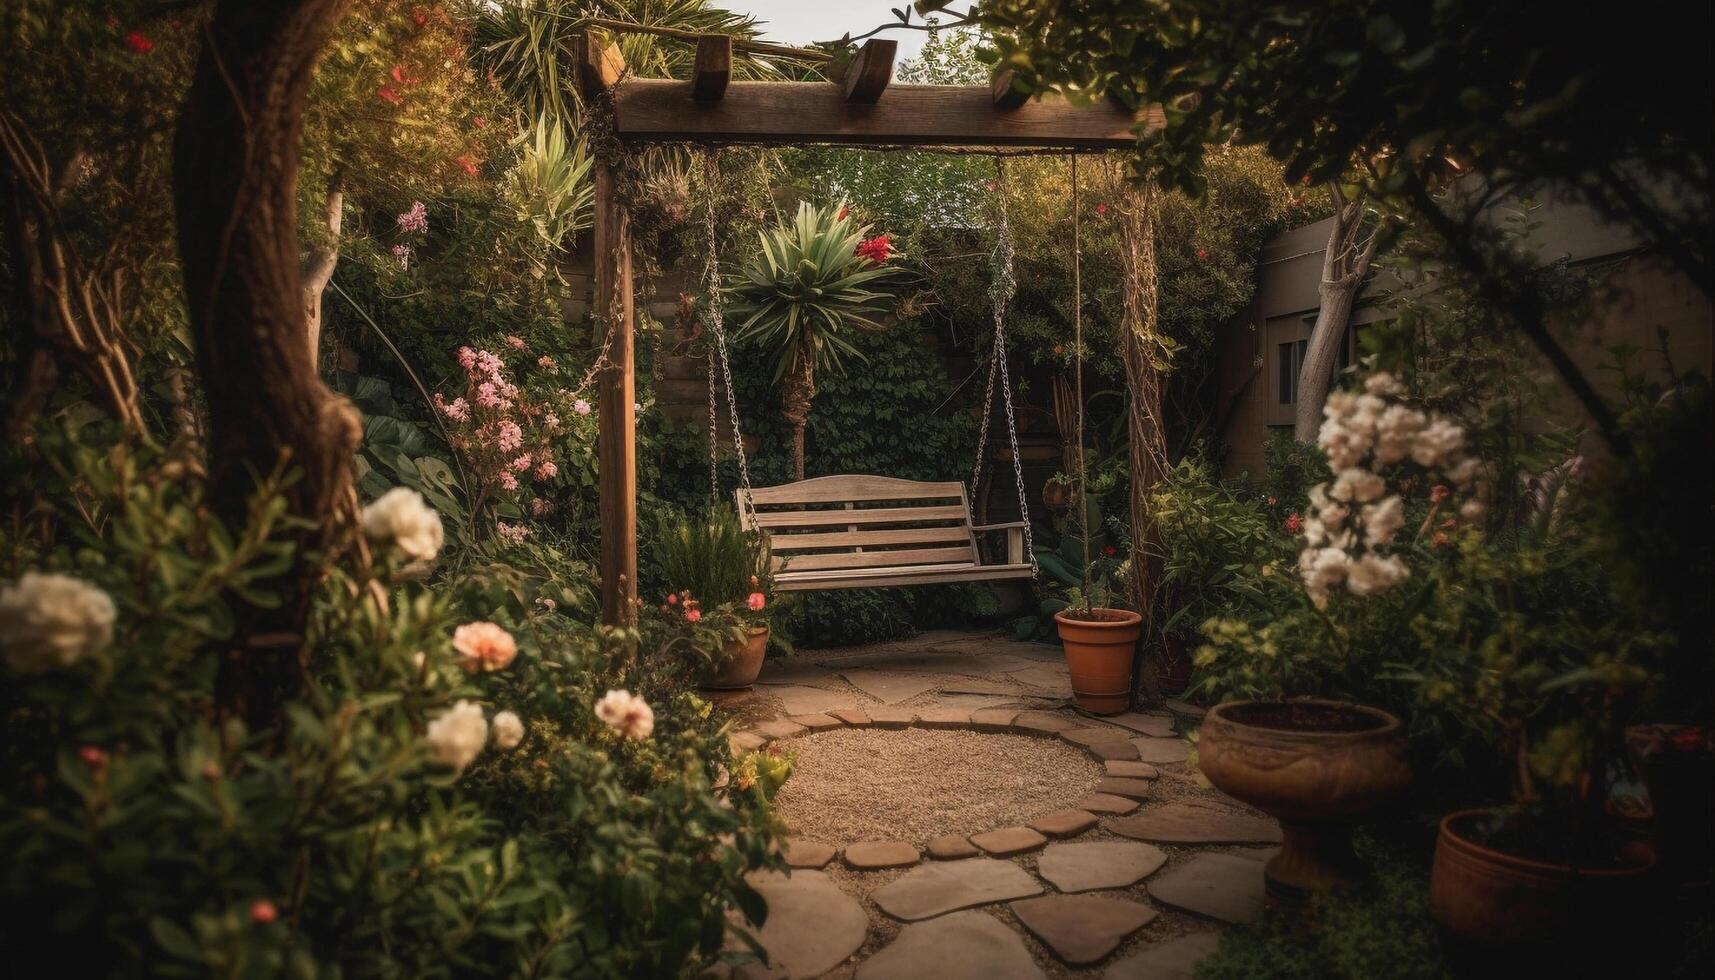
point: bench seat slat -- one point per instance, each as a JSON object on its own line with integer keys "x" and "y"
{"x": 877, "y": 578}
{"x": 871, "y": 515}
{"x": 843, "y": 489}
{"x": 869, "y": 539}
{"x": 791, "y": 564}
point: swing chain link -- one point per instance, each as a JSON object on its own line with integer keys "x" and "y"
{"x": 1002, "y": 293}
{"x": 712, "y": 285}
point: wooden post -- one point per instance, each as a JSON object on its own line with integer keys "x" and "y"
{"x": 616, "y": 387}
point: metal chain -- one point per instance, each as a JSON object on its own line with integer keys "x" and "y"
{"x": 712, "y": 283}
{"x": 1001, "y": 293}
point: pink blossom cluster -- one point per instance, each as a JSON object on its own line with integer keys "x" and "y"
{"x": 503, "y": 433}
{"x": 415, "y": 220}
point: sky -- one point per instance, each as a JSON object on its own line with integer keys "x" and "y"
{"x": 803, "y": 21}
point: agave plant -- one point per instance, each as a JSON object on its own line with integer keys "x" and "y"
{"x": 803, "y": 296}
{"x": 551, "y": 182}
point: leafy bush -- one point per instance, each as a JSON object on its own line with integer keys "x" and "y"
{"x": 712, "y": 557}
{"x": 1220, "y": 544}
{"x": 370, "y": 831}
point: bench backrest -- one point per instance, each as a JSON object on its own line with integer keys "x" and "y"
{"x": 831, "y": 523}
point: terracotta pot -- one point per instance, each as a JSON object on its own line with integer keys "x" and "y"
{"x": 741, "y": 661}
{"x": 1056, "y": 495}
{"x": 1316, "y": 766}
{"x": 1099, "y": 655}
{"x": 1506, "y": 908}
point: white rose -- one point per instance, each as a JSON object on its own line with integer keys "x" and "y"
{"x": 457, "y": 735}
{"x": 1382, "y": 383}
{"x": 1472, "y": 510}
{"x": 1395, "y": 431}
{"x": 1465, "y": 471}
{"x": 1323, "y": 568}
{"x": 1382, "y": 521}
{"x": 626, "y": 713}
{"x": 49, "y": 621}
{"x": 1374, "y": 573}
{"x": 1357, "y": 485}
{"x": 401, "y": 519}
{"x": 507, "y": 731}
{"x": 1438, "y": 441}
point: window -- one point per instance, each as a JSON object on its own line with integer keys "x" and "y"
{"x": 1290, "y": 360}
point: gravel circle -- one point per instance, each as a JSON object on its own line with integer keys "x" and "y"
{"x": 858, "y": 784}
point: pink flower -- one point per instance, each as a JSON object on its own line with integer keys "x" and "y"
{"x": 551, "y": 420}
{"x": 415, "y": 219}
{"x": 458, "y": 409}
{"x": 539, "y": 507}
{"x": 545, "y": 362}
{"x": 508, "y": 436}
{"x": 508, "y": 481}
{"x": 581, "y": 407}
{"x": 484, "y": 646}
{"x": 490, "y": 365}
{"x": 876, "y": 249}
{"x": 522, "y": 463}
{"x": 756, "y": 601}
{"x": 139, "y": 42}
{"x": 514, "y": 533}
{"x": 1202, "y": 253}
{"x": 1101, "y": 207}
{"x": 467, "y": 358}
{"x": 1294, "y": 523}
{"x": 480, "y": 122}
{"x": 486, "y": 396}
{"x": 692, "y": 615}
{"x": 467, "y": 165}
{"x": 388, "y": 94}
{"x": 263, "y": 912}
{"x": 1439, "y": 493}
{"x": 514, "y": 342}
{"x": 547, "y": 470}
{"x": 93, "y": 756}
{"x": 672, "y": 600}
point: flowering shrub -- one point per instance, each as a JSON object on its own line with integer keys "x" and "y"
{"x": 451, "y": 795}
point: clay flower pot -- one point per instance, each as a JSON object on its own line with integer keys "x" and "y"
{"x": 1099, "y": 656}
{"x": 1316, "y": 766}
{"x": 741, "y": 661}
{"x": 1502, "y": 909}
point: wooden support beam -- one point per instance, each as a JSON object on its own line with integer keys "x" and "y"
{"x": 787, "y": 113}
{"x": 1006, "y": 95}
{"x": 600, "y": 64}
{"x": 870, "y": 71}
{"x": 713, "y": 68}
{"x": 616, "y": 394}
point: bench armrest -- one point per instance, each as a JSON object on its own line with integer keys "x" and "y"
{"x": 1014, "y": 539}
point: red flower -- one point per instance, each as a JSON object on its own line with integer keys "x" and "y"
{"x": 843, "y": 212}
{"x": 1110, "y": 550}
{"x": 1059, "y": 348}
{"x": 692, "y": 615}
{"x": 1202, "y": 253}
{"x": 468, "y": 164}
{"x": 139, "y": 42}
{"x": 1306, "y": 180}
{"x": 876, "y": 249}
{"x": 1687, "y": 739}
{"x": 1450, "y": 523}
{"x": 388, "y": 94}
{"x": 1439, "y": 540}
{"x": 1101, "y": 207}
{"x": 420, "y": 15}
{"x": 93, "y": 756}
{"x": 262, "y": 912}
{"x": 1271, "y": 501}
{"x": 480, "y": 122}
{"x": 672, "y": 600}
{"x": 1439, "y": 493}
{"x": 1294, "y": 523}
{"x": 398, "y": 74}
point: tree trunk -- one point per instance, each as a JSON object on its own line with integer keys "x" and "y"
{"x": 319, "y": 267}
{"x": 796, "y": 399}
{"x": 1345, "y": 265}
{"x": 235, "y": 171}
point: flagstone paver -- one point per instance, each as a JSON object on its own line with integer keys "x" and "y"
{"x": 815, "y": 722}
{"x": 1094, "y": 736}
{"x": 1049, "y": 677}
{"x": 1190, "y": 823}
{"x": 1131, "y": 770}
{"x": 962, "y": 946}
{"x": 745, "y": 741}
{"x": 851, "y": 716}
{"x": 1107, "y": 803}
{"x": 1008, "y": 841}
{"x": 777, "y": 728}
{"x": 1045, "y": 722}
{"x": 1081, "y": 866}
{"x": 950, "y": 847}
{"x": 809, "y": 700}
{"x": 811, "y": 854}
{"x": 1184, "y": 709}
{"x": 1175, "y": 959}
{"x": 973, "y": 685}
{"x": 947, "y": 886}
{"x": 888, "y": 686}
{"x": 872, "y": 855}
{"x": 1162, "y": 751}
{"x": 1115, "y": 751}
{"x": 1063, "y": 823}
{"x": 995, "y": 720}
{"x": 1082, "y": 929}
{"x": 943, "y": 718}
{"x": 888, "y": 716}
{"x": 795, "y": 672}
{"x": 975, "y": 702}
{"x": 1222, "y": 886}
{"x": 1159, "y": 726}
{"x": 812, "y": 926}
{"x": 1137, "y": 789}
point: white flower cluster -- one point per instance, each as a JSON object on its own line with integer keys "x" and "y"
{"x": 626, "y": 713}
{"x": 457, "y": 735}
{"x": 401, "y": 520}
{"x": 1355, "y": 520}
{"x": 49, "y": 621}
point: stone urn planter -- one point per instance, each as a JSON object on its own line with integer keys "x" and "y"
{"x": 1099, "y": 657}
{"x": 1506, "y": 911}
{"x": 741, "y": 661}
{"x": 1318, "y": 767}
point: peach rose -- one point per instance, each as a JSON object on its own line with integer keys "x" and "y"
{"x": 484, "y": 647}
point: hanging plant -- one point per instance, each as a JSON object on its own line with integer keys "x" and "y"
{"x": 804, "y": 295}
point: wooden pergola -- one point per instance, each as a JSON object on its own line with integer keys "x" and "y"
{"x": 710, "y": 109}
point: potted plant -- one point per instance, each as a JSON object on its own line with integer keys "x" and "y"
{"x": 1099, "y": 639}
{"x": 721, "y": 576}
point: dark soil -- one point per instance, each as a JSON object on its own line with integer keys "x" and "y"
{"x": 1292, "y": 716}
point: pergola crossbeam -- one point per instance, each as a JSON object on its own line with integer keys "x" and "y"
{"x": 870, "y": 71}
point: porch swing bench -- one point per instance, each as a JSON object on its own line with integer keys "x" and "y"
{"x": 866, "y": 532}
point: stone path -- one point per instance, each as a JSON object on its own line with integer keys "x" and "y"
{"x": 1132, "y": 879}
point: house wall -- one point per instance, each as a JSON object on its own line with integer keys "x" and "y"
{"x": 1639, "y": 297}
